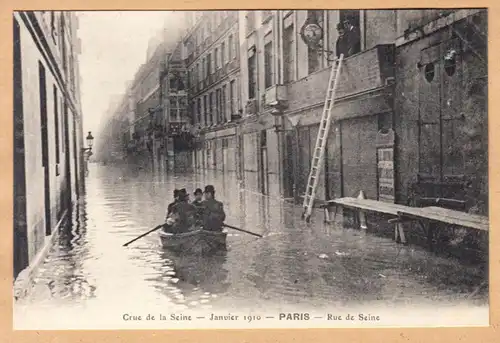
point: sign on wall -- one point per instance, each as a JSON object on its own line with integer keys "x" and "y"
{"x": 385, "y": 166}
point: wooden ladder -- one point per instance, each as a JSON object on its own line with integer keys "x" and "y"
{"x": 321, "y": 140}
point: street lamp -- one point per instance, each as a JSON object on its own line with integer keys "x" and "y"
{"x": 90, "y": 142}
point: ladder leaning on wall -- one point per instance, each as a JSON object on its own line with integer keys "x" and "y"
{"x": 321, "y": 140}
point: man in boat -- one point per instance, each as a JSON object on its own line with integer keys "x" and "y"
{"x": 171, "y": 205}
{"x": 170, "y": 219}
{"x": 213, "y": 211}
{"x": 183, "y": 214}
{"x": 198, "y": 204}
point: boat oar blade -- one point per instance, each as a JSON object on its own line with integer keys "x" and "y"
{"x": 238, "y": 229}
{"x": 144, "y": 234}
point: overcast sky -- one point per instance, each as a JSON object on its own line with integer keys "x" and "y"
{"x": 114, "y": 45}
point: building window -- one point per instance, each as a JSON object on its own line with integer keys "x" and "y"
{"x": 314, "y": 55}
{"x": 268, "y": 64}
{"x": 181, "y": 78}
{"x": 288, "y": 54}
{"x": 220, "y": 118}
{"x": 351, "y": 25}
{"x": 232, "y": 95}
{"x": 56, "y": 125}
{"x": 211, "y": 108}
{"x": 209, "y": 64}
{"x": 218, "y": 58}
{"x": 43, "y": 114}
{"x": 205, "y": 110}
{"x": 173, "y": 109}
{"x": 198, "y": 106}
{"x": 223, "y": 53}
{"x": 193, "y": 110}
{"x": 230, "y": 48}
{"x": 173, "y": 83}
{"x": 250, "y": 22}
{"x": 217, "y": 106}
{"x": 182, "y": 105}
{"x": 252, "y": 76}
{"x": 64, "y": 108}
{"x": 224, "y": 103}
{"x": 203, "y": 68}
{"x": 263, "y": 138}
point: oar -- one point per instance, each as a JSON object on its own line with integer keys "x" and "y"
{"x": 238, "y": 229}
{"x": 144, "y": 234}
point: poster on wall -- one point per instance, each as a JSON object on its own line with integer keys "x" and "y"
{"x": 385, "y": 165}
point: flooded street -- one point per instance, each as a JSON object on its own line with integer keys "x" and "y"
{"x": 296, "y": 265}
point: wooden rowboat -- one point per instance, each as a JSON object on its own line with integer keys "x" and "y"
{"x": 194, "y": 241}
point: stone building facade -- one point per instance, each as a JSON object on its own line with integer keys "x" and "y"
{"x": 212, "y": 61}
{"x": 410, "y": 117}
{"x": 384, "y": 104}
{"x": 48, "y": 154}
{"x": 147, "y": 104}
{"x": 441, "y": 106}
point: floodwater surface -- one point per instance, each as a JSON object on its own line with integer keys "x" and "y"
{"x": 295, "y": 265}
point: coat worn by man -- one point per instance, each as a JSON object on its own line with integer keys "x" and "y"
{"x": 213, "y": 215}
{"x": 198, "y": 204}
{"x": 186, "y": 216}
{"x": 342, "y": 46}
{"x": 170, "y": 207}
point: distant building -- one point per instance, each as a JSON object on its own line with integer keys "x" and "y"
{"x": 178, "y": 120}
{"x": 48, "y": 155}
{"x": 212, "y": 61}
{"x": 142, "y": 111}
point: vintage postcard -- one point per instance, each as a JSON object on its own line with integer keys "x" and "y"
{"x": 322, "y": 168}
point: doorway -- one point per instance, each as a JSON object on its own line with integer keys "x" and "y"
{"x": 76, "y": 153}
{"x": 45, "y": 145}
{"x": 440, "y": 148}
{"x": 289, "y": 165}
{"x": 67, "y": 160}
{"x": 20, "y": 226}
{"x": 264, "y": 172}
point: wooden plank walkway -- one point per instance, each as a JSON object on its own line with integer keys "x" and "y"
{"x": 369, "y": 205}
{"x": 444, "y": 215}
{"x": 402, "y": 214}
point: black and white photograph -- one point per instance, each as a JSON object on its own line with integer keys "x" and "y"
{"x": 250, "y": 169}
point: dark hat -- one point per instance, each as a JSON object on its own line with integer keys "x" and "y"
{"x": 209, "y": 189}
{"x": 340, "y": 26}
{"x": 176, "y": 193}
{"x": 198, "y": 191}
{"x": 183, "y": 193}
